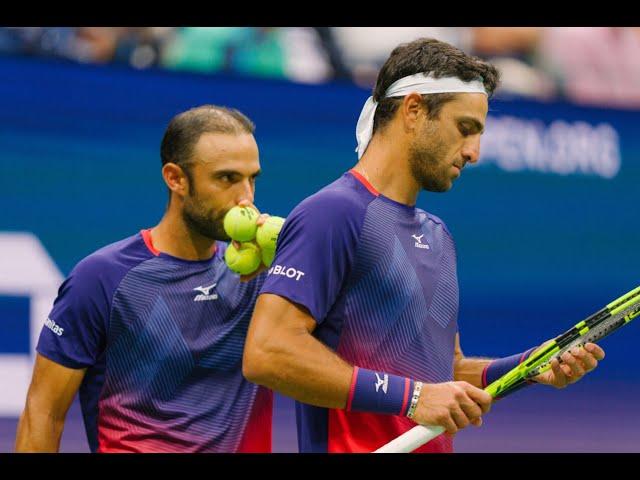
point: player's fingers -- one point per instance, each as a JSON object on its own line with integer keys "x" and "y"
{"x": 449, "y": 425}
{"x": 561, "y": 376}
{"x": 589, "y": 362}
{"x": 576, "y": 368}
{"x": 459, "y": 417}
{"x": 479, "y": 396}
{"x": 566, "y": 369}
{"x": 262, "y": 218}
{"x": 477, "y": 422}
{"x": 471, "y": 409}
{"x": 595, "y": 350}
{"x": 235, "y": 243}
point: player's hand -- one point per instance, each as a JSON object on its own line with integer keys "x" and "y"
{"x": 452, "y": 405}
{"x": 576, "y": 363}
{"x": 261, "y": 219}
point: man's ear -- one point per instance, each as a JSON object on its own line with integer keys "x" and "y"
{"x": 176, "y": 179}
{"x": 411, "y": 108}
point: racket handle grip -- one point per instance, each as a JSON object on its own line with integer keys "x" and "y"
{"x": 412, "y": 439}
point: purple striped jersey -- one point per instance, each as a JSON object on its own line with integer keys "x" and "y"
{"x": 161, "y": 339}
{"x": 379, "y": 278}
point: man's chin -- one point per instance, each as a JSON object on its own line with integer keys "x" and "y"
{"x": 218, "y": 236}
{"x": 213, "y": 234}
{"x": 438, "y": 187}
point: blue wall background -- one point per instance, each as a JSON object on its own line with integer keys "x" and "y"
{"x": 80, "y": 168}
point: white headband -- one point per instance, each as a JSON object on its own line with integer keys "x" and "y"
{"x": 419, "y": 83}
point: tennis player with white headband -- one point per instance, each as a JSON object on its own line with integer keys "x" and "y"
{"x": 418, "y": 83}
{"x": 358, "y": 319}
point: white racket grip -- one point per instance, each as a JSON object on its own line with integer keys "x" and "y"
{"x": 410, "y": 440}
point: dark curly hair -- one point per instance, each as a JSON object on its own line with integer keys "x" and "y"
{"x": 429, "y": 56}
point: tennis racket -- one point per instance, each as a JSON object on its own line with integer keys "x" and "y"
{"x": 595, "y": 327}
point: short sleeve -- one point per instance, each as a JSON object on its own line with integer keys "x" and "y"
{"x": 315, "y": 251}
{"x": 74, "y": 334}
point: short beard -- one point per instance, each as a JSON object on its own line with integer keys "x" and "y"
{"x": 426, "y": 161}
{"x": 207, "y": 223}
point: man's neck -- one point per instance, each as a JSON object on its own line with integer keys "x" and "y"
{"x": 173, "y": 237}
{"x": 386, "y": 168}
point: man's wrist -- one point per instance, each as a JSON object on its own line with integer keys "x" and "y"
{"x": 379, "y": 392}
{"x": 500, "y": 366}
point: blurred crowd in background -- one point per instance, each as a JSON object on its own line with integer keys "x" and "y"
{"x": 598, "y": 66}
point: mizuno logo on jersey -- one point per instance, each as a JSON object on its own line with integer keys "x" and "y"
{"x": 382, "y": 382}
{"x": 419, "y": 243}
{"x": 205, "y": 293}
{"x": 287, "y": 272}
{"x": 55, "y": 328}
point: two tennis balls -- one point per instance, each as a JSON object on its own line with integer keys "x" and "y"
{"x": 240, "y": 224}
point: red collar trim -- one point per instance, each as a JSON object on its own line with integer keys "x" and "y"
{"x": 146, "y": 236}
{"x": 364, "y": 182}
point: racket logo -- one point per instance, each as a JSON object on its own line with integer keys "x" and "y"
{"x": 632, "y": 315}
{"x": 382, "y": 382}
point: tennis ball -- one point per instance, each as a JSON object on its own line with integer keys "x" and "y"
{"x": 267, "y": 233}
{"x": 267, "y": 256}
{"x": 240, "y": 223}
{"x": 243, "y": 260}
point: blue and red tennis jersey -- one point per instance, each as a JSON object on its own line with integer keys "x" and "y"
{"x": 379, "y": 277}
{"x": 162, "y": 340}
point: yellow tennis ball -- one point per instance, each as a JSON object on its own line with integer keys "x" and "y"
{"x": 240, "y": 223}
{"x": 267, "y": 256}
{"x": 267, "y": 233}
{"x": 243, "y": 260}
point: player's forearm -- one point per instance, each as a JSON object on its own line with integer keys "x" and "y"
{"x": 38, "y": 432}
{"x": 470, "y": 370}
{"x": 281, "y": 353}
{"x": 300, "y": 367}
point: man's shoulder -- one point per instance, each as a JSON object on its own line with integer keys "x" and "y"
{"x": 342, "y": 198}
{"x": 113, "y": 260}
{"x": 434, "y": 219}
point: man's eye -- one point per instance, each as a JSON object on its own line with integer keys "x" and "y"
{"x": 465, "y": 131}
